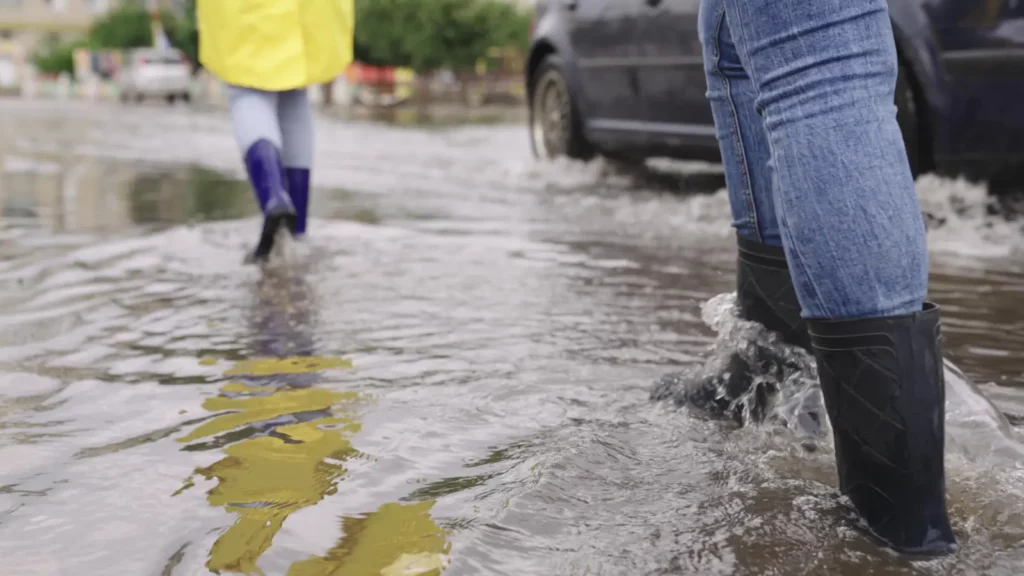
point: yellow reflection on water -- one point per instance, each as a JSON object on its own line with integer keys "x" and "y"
{"x": 294, "y": 365}
{"x": 395, "y": 540}
{"x": 292, "y": 458}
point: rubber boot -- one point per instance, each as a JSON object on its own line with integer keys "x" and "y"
{"x": 765, "y": 295}
{"x": 882, "y": 380}
{"x": 298, "y": 188}
{"x": 263, "y": 163}
{"x": 765, "y": 291}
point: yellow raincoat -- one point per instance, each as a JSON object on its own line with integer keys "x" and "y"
{"x": 276, "y": 45}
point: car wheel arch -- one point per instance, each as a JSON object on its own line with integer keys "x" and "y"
{"x": 541, "y": 50}
{"x": 916, "y": 61}
{"x": 922, "y": 115}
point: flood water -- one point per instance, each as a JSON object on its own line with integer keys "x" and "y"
{"x": 451, "y": 374}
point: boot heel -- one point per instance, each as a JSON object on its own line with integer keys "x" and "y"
{"x": 271, "y": 225}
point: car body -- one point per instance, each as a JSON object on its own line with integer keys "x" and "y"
{"x": 634, "y": 76}
{"x": 155, "y": 73}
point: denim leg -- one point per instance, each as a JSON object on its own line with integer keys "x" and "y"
{"x": 741, "y": 136}
{"x": 825, "y": 75}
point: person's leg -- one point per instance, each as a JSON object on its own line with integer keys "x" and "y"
{"x": 254, "y": 119}
{"x": 854, "y": 237}
{"x": 296, "y": 119}
{"x": 825, "y": 75}
{"x": 764, "y": 288}
{"x": 741, "y": 136}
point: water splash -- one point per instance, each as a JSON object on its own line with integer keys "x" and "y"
{"x": 976, "y": 431}
{"x": 965, "y": 220}
{"x": 750, "y": 374}
{"x": 783, "y": 389}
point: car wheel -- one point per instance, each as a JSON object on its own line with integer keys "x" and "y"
{"x": 186, "y": 97}
{"x": 907, "y": 117}
{"x": 555, "y": 126}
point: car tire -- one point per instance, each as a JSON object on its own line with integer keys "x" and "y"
{"x": 555, "y": 125}
{"x": 908, "y": 118}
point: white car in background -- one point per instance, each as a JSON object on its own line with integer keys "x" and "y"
{"x": 155, "y": 73}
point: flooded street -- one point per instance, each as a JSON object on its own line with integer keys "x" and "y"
{"x": 453, "y": 372}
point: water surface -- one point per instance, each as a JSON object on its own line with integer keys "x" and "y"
{"x": 452, "y": 372}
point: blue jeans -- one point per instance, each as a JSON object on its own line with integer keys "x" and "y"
{"x": 803, "y": 99}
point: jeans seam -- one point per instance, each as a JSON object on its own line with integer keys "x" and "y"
{"x": 792, "y": 246}
{"x": 737, "y": 136}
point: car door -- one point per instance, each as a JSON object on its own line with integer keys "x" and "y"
{"x": 603, "y": 37}
{"x": 671, "y": 72}
{"x": 982, "y": 43}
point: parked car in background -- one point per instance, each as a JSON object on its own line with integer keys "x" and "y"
{"x": 155, "y": 73}
{"x": 624, "y": 78}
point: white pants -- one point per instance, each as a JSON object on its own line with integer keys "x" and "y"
{"x": 283, "y": 118}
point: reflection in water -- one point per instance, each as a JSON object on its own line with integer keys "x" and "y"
{"x": 285, "y": 440}
{"x": 396, "y": 540}
{"x": 180, "y": 194}
{"x": 91, "y": 195}
{"x": 286, "y": 443}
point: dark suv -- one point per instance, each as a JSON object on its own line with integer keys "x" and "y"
{"x": 624, "y": 78}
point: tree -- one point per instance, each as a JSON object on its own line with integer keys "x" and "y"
{"x": 127, "y": 26}
{"x": 451, "y": 33}
{"x": 183, "y": 32}
{"x": 430, "y": 34}
{"x": 55, "y": 57}
{"x": 381, "y": 29}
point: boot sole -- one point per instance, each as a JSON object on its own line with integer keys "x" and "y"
{"x": 271, "y": 224}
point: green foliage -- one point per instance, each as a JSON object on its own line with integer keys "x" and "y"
{"x": 126, "y": 26}
{"x": 183, "y": 32}
{"x": 430, "y": 34}
{"x": 380, "y": 31}
{"x": 513, "y": 28}
{"x": 55, "y": 57}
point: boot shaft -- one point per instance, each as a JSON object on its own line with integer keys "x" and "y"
{"x": 765, "y": 292}
{"x": 298, "y": 188}
{"x": 267, "y": 177}
{"x": 882, "y": 382}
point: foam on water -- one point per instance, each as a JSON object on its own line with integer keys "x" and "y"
{"x": 965, "y": 223}
{"x": 965, "y": 220}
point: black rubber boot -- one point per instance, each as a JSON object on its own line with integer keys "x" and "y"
{"x": 884, "y": 391}
{"x": 765, "y": 291}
